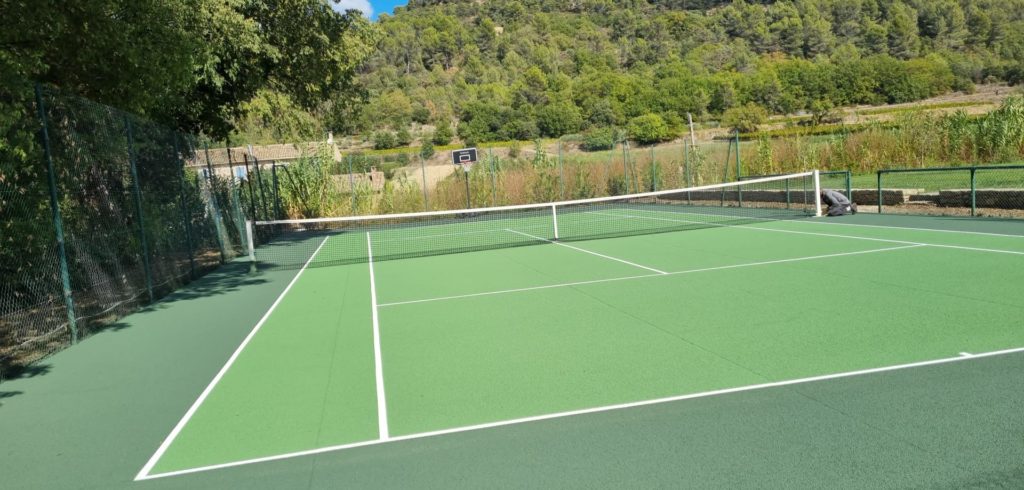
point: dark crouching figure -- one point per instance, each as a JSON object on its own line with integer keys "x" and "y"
{"x": 838, "y": 204}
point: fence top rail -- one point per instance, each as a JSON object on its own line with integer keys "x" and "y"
{"x": 949, "y": 169}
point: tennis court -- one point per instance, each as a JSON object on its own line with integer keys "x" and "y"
{"x": 717, "y": 336}
{"x": 378, "y": 340}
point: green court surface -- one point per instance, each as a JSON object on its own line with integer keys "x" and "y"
{"x": 865, "y": 351}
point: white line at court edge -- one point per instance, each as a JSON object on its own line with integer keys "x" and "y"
{"x": 378, "y": 363}
{"x": 586, "y": 251}
{"x": 144, "y": 472}
{"x": 607, "y": 408}
{"x": 614, "y": 279}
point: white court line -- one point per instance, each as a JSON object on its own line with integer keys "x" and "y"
{"x": 144, "y": 472}
{"x": 586, "y": 251}
{"x": 614, "y": 279}
{"x": 964, "y": 232}
{"x": 833, "y": 235}
{"x": 378, "y": 362}
{"x": 607, "y": 408}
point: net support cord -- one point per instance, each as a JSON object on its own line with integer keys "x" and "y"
{"x": 456, "y": 212}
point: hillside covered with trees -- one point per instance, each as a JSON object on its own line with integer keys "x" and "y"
{"x": 522, "y": 69}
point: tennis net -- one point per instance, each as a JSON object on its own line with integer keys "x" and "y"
{"x": 352, "y": 239}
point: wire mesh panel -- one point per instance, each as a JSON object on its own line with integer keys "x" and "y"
{"x": 344, "y": 240}
{"x": 33, "y": 314}
{"x": 100, "y": 213}
{"x": 996, "y": 191}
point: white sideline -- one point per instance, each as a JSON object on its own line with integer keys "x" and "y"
{"x": 144, "y": 472}
{"x": 614, "y": 279}
{"x": 378, "y": 362}
{"x": 607, "y": 408}
{"x": 586, "y": 251}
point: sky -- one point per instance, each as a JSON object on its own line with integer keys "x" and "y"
{"x": 370, "y": 8}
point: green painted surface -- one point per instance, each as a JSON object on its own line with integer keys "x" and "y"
{"x": 95, "y": 413}
{"x": 306, "y": 379}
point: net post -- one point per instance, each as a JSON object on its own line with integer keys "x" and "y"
{"x": 58, "y": 224}
{"x": 138, "y": 207}
{"x": 554, "y": 219}
{"x": 250, "y": 245}
{"x": 817, "y": 193}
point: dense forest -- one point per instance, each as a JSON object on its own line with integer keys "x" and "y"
{"x": 522, "y": 69}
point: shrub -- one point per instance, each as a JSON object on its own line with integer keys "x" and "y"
{"x": 383, "y": 140}
{"x": 443, "y": 134}
{"x": 745, "y": 119}
{"x": 648, "y": 129}
{"x": 598, "y": 139}
{"x": 403, "y": 138}
{"x": 427, "y": 149}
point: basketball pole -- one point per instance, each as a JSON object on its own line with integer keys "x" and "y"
{"x": 465, "y": 173}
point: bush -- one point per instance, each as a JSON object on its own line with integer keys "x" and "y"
{"x": 421, "y": 114}
{"x": 403, "y": 138}
{"x": 513, "y": 149}
{"x": 427, "y": 149}
{"x": 559, "y": 119}
{"x": 745, "y": 119}
{"x": 383, "y": 140}
{"x": 443, "y": 134}
{"x": 649, "y": 129}
{"x": 598, "y": 139}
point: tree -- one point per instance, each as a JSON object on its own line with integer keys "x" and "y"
{"x": 426, "y": 149}
{"x": 559, "y": 119}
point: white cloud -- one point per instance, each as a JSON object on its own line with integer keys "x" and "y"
{"x": 361, "y": 5}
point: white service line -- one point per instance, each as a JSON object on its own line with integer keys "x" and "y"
{"x": 144, "y": 472}
{"x": 378, "y": 362}
{"x": 614, "y": 279}
{"x": 586, "y": 251}
{"x": 607, "y": 408}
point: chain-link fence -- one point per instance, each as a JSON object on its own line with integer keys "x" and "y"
{"x": 99, "y": 214}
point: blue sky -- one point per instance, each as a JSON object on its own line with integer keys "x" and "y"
{"x": 371, "y": 8}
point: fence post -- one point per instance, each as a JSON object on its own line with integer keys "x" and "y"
{"x": 138, "y": 208}
{"x": 186, "y": 220}
{"x": 849, "y": 185}
{"x": 739, "y": 166}
{"x": 277, "y": 190}
{"x": 423, "y": 173}
{"x": 218, "y": 221}
{"x": 259, "y": 182}
{"x": 686, "y": 170}
{"x": 351, "y": 183}
{"x": 494, "y": 176}
{"x": 974, "y": 188}
{"x": 561, "y": 173}
{"x": 625, "y": 165}
{"x": 58, "y": 223}
{"x": 879, "y": 192}
{"x": 236, "y": 196}
{"x": 654, "y": 171}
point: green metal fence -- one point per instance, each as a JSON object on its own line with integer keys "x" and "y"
{"x": 987, "y": 190}
{"x": 100, "y": 214}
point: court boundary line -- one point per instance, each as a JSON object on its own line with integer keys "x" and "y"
{"x": 627, "y": 278}
{"x": 166, "y": 444}
{"x": 797, "y": 232}
{"x": 592, "y": 410}
{"x": 964, "y": 232}
{"x": 510, "y": 230}
{"x": 378, "y": 361}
